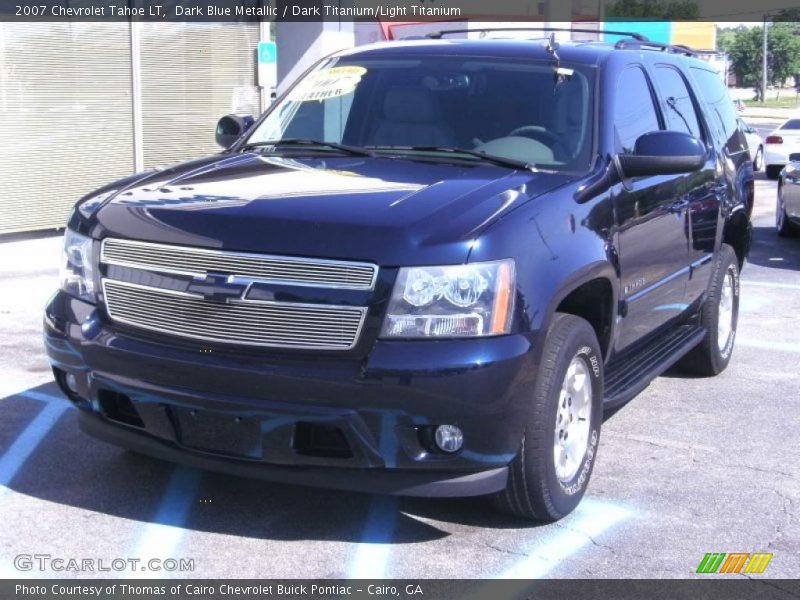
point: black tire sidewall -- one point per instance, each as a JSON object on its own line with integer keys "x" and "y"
{"x": 581, "y": 341}
{"x": 728, "y": 263}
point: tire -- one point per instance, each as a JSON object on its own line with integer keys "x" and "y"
{"x": 783, "y": 226}
{"x": 711, "y": 356}
{"x": 758, "y": 160}
{"x": 774, "y": 171}
{"x": 537, "y": 489}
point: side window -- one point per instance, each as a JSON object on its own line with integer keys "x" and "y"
{"x": 715, "y": 94}
{"x": 679, "y": 109}
{"x": 634, "y": 110}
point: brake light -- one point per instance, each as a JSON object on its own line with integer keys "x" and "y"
{"x": 774, "y": 139}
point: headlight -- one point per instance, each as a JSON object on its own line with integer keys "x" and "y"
{"x": 471, "y": 300}
{"x": 77, "y": 266}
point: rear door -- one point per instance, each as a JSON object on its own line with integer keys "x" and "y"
{"x": 699, "y": 192}
{"x": 651, "y": 218}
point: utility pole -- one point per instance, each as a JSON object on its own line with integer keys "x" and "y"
{"x": 764, "y": 65}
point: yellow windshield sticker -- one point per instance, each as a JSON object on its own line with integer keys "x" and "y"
{"x": 328, "y": 83}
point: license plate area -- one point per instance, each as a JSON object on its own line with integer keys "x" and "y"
{"x": 219, "y": 433}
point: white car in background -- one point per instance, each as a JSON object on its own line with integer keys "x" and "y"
{"x": 755, "y": 145}
{"x": 782, "y": 142}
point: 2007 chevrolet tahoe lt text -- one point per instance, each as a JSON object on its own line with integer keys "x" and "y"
{"x": 428, "y": 269}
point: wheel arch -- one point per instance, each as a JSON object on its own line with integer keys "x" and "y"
{"x": 738, "y": 233}
{"x": 579, "y": 296}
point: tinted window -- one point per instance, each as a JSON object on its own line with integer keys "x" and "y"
{"x": 679, "y": 107}
{"x": 399, "y": 106}
{"x": 634, "y": 110}
{"x": 791, "y": 124}
{"x": 715, "y": 94}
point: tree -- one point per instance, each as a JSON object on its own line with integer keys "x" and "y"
{"x": 745, "y": 53}
{"x": 726, "y": 36}
{"x": 783, "y": 54}
{"x": 667, "y": 10}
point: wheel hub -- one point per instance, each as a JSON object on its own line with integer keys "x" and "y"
{"x": 573, "y": 417}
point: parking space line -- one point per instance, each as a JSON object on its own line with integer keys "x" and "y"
{"x": 372, "y": 555}
{"x": 777, "y": 346}
{"x": 9, "y": 389}
{"x": 591, "y": 518}
{"x": 44, "y": 397}
{"x": 768, "y": 284}
{"x": 161, "y": 538}
{"x": 27, "y": 441}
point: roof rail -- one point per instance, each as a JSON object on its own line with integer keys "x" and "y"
{"x": 437, "y": 35}
{"x": 656, "y": 46}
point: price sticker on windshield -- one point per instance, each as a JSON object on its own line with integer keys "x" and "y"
{"x": 328, "y": 83}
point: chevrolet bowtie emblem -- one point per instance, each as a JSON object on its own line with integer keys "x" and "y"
{"x": 218, "y": 288}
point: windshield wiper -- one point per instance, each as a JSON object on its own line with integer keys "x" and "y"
{"x": 498, "y": 160}
{"x": 354, "y": 150}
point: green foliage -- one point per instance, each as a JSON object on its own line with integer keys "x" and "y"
{"x": 726, "y": 37}
{"x": 745, "y": 49}
{"x": 667, "y": 10}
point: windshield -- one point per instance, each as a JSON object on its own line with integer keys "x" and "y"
{"x": 520, "y": 110}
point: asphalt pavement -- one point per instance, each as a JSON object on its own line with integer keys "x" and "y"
{"x": 690, "y": 466}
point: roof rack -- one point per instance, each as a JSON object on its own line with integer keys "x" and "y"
{"x": 657, "y": 46}
{"x": 437, "y": 35}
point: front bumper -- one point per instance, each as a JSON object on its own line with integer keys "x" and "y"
{"x": 249, "y": 413}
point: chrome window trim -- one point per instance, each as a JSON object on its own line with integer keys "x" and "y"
{"x": 240, "y": 255}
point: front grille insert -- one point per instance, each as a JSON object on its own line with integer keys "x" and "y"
{"x": 199, "y": 262}
{"x": 241, "y": 322}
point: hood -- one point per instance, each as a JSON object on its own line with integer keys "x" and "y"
{"x": 382, "y": 210}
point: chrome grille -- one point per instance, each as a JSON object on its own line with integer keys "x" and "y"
{"x": 253, "y": 323}
{"x": 199, "y": 262}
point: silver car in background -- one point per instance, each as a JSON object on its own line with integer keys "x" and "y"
{"x": 787, "y": 211}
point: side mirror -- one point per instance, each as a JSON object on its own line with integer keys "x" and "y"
{"x": 663, "y": 153}
{"x": 231, "y": 127}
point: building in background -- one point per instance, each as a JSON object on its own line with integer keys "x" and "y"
{"x": 82, "y": 104}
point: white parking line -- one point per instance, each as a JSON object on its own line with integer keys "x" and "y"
{"x": 27, "y": 441}
{"x": 44, "y": 397}
{"x": 161, "y": 538}
{"x": 17, "y": 388}
{"x": 373, "y": 552}
{"x": 768, "y": 284}
{"x": 777, "y": 346}
{"x": 591, "y": 518}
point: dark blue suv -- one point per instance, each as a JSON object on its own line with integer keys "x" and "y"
{"x": 428, "y": 269}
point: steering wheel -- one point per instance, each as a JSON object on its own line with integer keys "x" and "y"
{"x": 540, "y": 134}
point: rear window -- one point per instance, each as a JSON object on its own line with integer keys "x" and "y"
{"x": 791, "y": 124}
{"x": 715, "y": 94}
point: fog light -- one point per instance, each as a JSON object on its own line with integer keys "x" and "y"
{"x": 449, "y": 438}
{"x": 72, "y": 382}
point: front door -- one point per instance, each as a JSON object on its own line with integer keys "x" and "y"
{"x": 652, "y": 221}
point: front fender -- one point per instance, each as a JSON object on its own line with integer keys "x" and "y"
{"x": 558, "y": 245}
